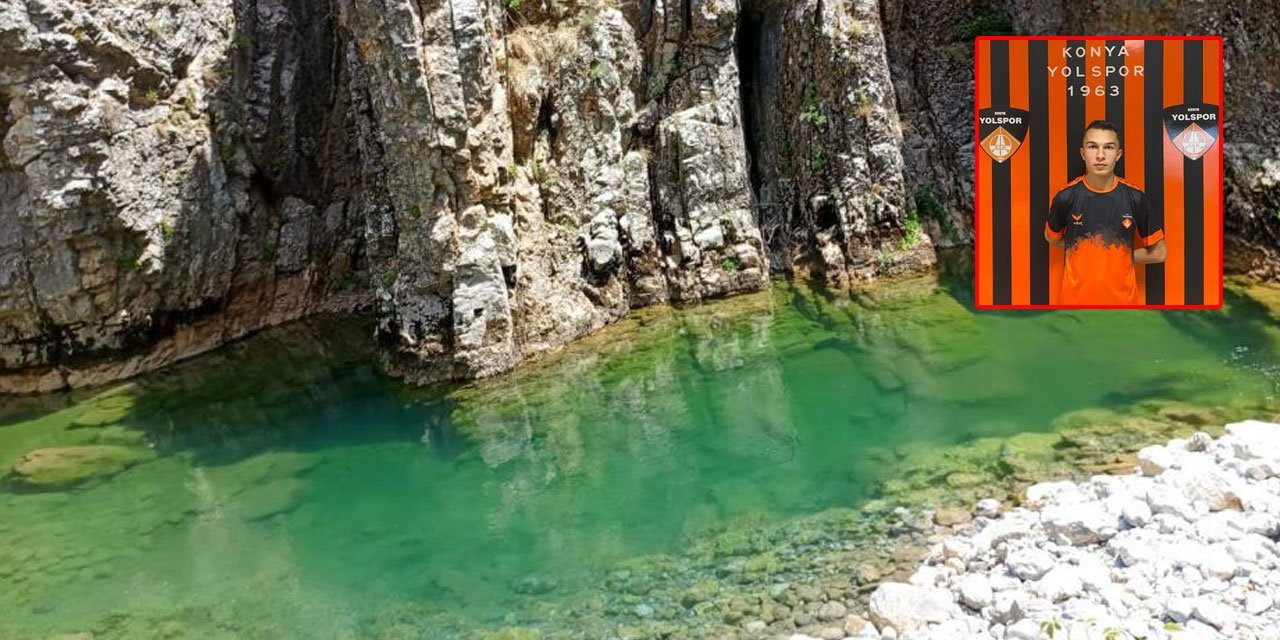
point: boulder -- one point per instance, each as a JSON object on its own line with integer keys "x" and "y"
{"x": 907, "y": 607}
{"x": 1086, "y": 523}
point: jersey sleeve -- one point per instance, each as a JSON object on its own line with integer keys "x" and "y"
{"x": 1149, "y": 224}
{"x": 1056, "y": 224}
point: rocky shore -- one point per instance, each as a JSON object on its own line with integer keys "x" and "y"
{"x": 1184, "y": 547}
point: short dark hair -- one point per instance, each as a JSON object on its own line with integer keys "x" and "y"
{"x": 1103, "y": 125}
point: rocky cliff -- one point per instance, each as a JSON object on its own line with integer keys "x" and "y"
{"x": 495, "y": 178}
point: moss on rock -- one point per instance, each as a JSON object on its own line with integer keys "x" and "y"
{"x": 57, "y": 468}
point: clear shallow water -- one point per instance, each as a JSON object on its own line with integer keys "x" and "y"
{"x": 291, "y": 491}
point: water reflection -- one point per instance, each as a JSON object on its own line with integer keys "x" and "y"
{"x": 294, "y": 487}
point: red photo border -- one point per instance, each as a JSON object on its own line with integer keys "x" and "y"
{"x": 977, "y": 150}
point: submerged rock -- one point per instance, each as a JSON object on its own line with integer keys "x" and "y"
{"x": 62, "y": 467}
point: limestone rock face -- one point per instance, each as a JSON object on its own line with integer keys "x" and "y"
{"x": 495, "y": 179}
{"x": 170, "y": 180}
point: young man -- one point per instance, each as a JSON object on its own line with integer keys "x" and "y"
{"x": 1105, "y": 226}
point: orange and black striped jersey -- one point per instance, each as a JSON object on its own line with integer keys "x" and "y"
{"x": 1100, "y": 229}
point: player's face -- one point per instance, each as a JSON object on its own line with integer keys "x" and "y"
{"x": 1100, "y": 151}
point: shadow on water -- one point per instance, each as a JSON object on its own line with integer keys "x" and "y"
{"x": 302, "y": 388}
{"x": 1242, "y": 321}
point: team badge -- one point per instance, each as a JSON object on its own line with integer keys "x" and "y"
{"x": 1127, "y": 223}
{"x": 1002, "y": 131}
{"x": 1192, "y": 127}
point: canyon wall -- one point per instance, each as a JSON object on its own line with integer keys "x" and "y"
{"x": 495, "y": 178}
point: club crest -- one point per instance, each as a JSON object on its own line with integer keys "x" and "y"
{"x": 1002, "y": 131}
{"x": 1192, "y": 127}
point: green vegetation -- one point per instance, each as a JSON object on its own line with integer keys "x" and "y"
{"x": 1050, "y": 627}
{"x": 596, "y": 72}
{"x": 985, "y": 24}
{"x": 912, "y": 232}
{"x": 731, "y": 264}
{"x": 414, "y": 212}
{"x": 128, "y": 263}
{"x": 513, "y": 5}
{"x": 927, "y": 207}
{"x": 268, "y": 250}
{"x": 166, "y": 230}
{"x": 242, "y": 41}
{"x": 865, "y": 106}
{"x": 388, "y": 280}
{"x": 657, "y": 85}
{"x": 884, "y": 260}
{"x": 151, "y": 96}
{"x": 1114, "y": 633}
{"x": 819, "y": 160}
{"x": 189, "y": 103}
{"x": 541, "y": 173}
{"x": 587, "y": 22}
{"x": 811, "y": 109}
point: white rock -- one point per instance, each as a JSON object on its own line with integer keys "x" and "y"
{"x": 957, "y": 548}
{"x": 1094, "y": 573}
{"x": 1215, "y": 562}
{"x": 1221, "y": 526}
{"x": 1004, "y": 582}
{"x": 975, "y": 591}
{"x": 1137, "y": 513}
{"x": 858, "y": 627}
{"x": 1165, "y": 499}
{"x": 1213, "y": 613}
{"x": 1140, "y": 587}
{"x": 1201, "y": 480}
{"x": 1253, "y": 439}
{"x": 1118, "y": 600}
{"x": 987, "y": 508}
{"x": 1262, "y": 469}
{"x": 1023, "y": 630}
{"x": 1084, "y": 523}
{"x": 906, "y": 607}
{"x": 1046, "y": 493}
{"x": 1030, "y": 563}
{"x": 1255, "y": 603}
{"x": 1156, "y": 459}
{"x": 1262, "y": 524}
{"x": 1249, "y": 549}
{"x": 929, "y": 576}
{"x": 1060, "y": 583}
{"x": 1135, "y": 547}
{"x": 1032, "y": 608}
{"x": 1179, "y": 609}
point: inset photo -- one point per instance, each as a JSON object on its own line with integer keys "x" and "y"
{"x": 1098, "y": 172}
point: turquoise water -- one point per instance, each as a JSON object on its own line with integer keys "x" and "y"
{"x": 289, "y": 490}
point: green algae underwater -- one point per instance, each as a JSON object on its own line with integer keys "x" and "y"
{"x": 645, "y": 481}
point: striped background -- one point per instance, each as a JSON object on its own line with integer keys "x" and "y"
{"x": 1015, "y": 266}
